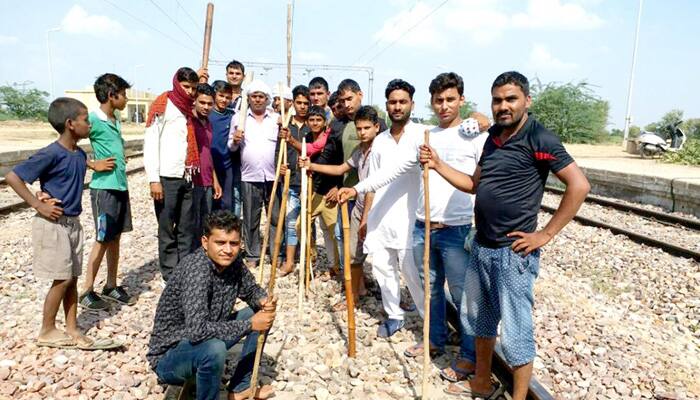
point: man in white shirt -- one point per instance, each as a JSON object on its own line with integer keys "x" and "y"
{"x": 391, "y": 211}
{"x": 257, "y": 149}
{"x": 170, "y": 159}
{"x": 459, "y": 144}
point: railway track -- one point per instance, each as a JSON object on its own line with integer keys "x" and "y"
{"x": 652, "y": 216}
{"x": 19, "y": 205}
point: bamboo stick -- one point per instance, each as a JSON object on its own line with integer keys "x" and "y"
{"x": 302, "y": 249}
{"x": 347, "y": 275}
{"x": 289, "y": 44}
{"x": 270, "y": 205}
{"x": 207, "y": 35}
{"x": 271, "y": 283}
{"x": 309, "y": 207}
{"x": 309, "y": 217}
{"x": 426, "y": 275}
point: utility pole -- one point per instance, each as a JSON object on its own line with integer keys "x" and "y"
{"x": 48, "y": 56}
{"x": 628, "y": 116}
{"x": 289, "y": 44}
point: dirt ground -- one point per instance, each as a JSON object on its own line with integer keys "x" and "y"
{"x": 26, "y": 135}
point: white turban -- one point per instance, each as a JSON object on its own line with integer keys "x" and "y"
{"x": 286, "y": 92}
{"x": 258, "y": 86}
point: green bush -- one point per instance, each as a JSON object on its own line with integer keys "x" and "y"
{"x": 690, "y": 155}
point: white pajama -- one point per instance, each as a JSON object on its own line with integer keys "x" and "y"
{"x": 386, "y": 265}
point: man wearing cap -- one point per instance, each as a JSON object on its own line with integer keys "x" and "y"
{"x": 286, "y": 95}
{"x": 257, "y": 149}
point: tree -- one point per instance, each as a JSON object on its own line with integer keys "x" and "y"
{"x": 666, "y": 124}
{"x": 573, "y": 111}
{"x": 691, "y": 127}
{"x": 464, "y": 111}
{"x": 24, "y": 104}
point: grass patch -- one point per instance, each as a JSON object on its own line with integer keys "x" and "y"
{"x": 690, "y": 155}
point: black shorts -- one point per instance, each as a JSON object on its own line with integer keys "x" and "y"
{"x": 111, "y": 211}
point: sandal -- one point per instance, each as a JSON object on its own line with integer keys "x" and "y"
{"x": 62, "y": 343}
{"x": 88, "y": 344}
{"x": 454, "y": 373}
{"x": 462, "y": 389}
{"x": 263, "y": 392}
{"x": 417, "y": 350}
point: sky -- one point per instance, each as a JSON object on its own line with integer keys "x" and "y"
{"x": 559, "y": 41}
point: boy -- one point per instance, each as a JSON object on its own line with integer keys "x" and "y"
{"x": 109, "y": 193}
{"x": 57, "y": 236}
{"x": 367, "y": 125}
{"x": 171, "y": 157}
{"x": 220, "y": 118}
{"x": 206, "y": 186}
{"x": 297, "y": 129}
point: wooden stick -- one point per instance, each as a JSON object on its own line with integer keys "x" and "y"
{"x": 271, "y": 283}
{"x": 426, "y": 276}
{"x": 243, "y": 113}
{"x": 289, "y": 44}
{"x": 309, "y": 207}
{"x": 207, "y": 35}
{"x": 302, "y": 250}
{"x": 347, "y": 275}
{"x": 270, "y": 205}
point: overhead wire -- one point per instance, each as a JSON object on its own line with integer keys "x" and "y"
{"x": 407, "y": 31}
{"x": 198, "y": 26}
{"x": 174, "y": 22}
{"x": 150, "y": 26}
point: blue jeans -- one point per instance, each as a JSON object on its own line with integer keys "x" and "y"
{"x": 293, "y": 210}
{"x": 448, "y": 261}
{"x": 204, "y": 362}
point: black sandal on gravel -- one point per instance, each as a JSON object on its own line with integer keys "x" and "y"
{"x": 417, "y": 350}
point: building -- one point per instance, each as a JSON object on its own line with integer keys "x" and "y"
{"x": 136, "y": 108}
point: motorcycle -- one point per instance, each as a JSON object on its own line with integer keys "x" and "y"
{"x": 651, "y": 144}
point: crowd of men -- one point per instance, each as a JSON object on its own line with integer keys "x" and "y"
{"x": 210, "y": 160}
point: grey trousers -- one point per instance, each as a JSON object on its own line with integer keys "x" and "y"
{"x": 255, "y": 197}
{"x": 175, "y": 223}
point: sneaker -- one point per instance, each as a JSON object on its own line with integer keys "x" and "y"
{"x": 91, "y": 301}
{"x": 389, "y": 327}
{"x": 118, "y": 294}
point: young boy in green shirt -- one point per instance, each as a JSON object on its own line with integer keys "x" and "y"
{"x": 109, "y": 193}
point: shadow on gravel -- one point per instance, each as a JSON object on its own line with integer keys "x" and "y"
{"x": 135, "y": 282}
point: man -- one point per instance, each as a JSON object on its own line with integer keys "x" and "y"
{"x": 451, "y": 211}
{"x": 517, "y": 158}
{"x": 391, "y": 210}
{"x": 336, "y": 108}
{"x": 257, "y": 148}
{"x": 235, "y": 73}
{"x": 277, "y": 99}
{"x": 194, "y": 325}
{"x": 171, "y": 158}
{"x": 318, "y": 93}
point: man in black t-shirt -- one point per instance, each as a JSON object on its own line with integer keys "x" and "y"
{"x": 509, "y": 183}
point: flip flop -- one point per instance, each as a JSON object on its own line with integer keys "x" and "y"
{"x": 63, "y": 343}
{"x": 466, "y": 391}
{"x": 417, "y": 350}
{"x": 99, "y": 344}
{"x": 460, "y": 373}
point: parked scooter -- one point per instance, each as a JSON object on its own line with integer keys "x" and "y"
{"x": 652, "y": 144}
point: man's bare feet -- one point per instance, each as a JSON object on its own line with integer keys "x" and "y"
{"x": 286, "y": 269}
{"x": 263, "y": 392}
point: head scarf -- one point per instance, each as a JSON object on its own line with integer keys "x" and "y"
{"x": 184, "y": 104}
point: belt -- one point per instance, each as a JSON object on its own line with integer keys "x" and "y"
{"x": 438, "y": 225}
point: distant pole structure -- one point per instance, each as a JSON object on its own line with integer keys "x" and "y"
{"x": 48, "y": 57}
{"x": 289, "y": 44}
{"x": 628, "y": 116}
{"x": 323, "y": 67}
{"x": 136, "y": 94}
